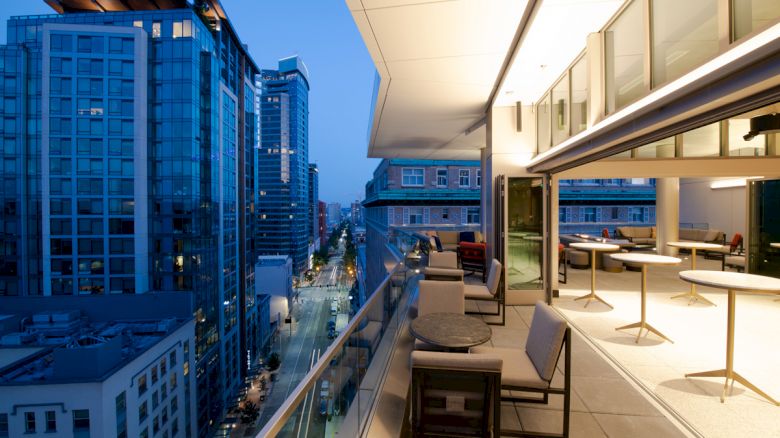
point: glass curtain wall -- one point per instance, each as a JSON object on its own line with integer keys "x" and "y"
{"x": 764, "y": 228}
{"x": 625, "y": 54}
{"x": 752, "y": 15}
{"x": 560, "y": 110}
{"x": 543, "y": 124}
{"x": 579, "y": 95}
{"x": 524, "y": 237}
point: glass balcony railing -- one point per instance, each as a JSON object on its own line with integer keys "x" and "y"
{"x": 339, "y": 392}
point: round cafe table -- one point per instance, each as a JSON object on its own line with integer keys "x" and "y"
{"x": 775, "y": 244}
{"x": 644, "y": 260}
{"x": 733, "y": 282}
{"x": 593, "y": 248}
{"x": 692, "y": 295}
{"x": 452, "y": 331}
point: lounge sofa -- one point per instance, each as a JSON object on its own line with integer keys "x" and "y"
{"x": 707, "y": 236}
{"x": 449, "y": 240}
{"x": 638, "y": 235}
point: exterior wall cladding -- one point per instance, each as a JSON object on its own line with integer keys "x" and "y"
{"x": 283, "y": 222}
{"x": 129, "y": 168}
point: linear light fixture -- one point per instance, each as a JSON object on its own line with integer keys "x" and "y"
{"x": 730, "y": 183}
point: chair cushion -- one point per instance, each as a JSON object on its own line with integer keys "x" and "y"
{"x": 545, "y": 339}
{"x": 712, "y": 235}
{"x": 518, "y": 370}
{"x": 443, "y": 273}
{"x": 478, "y": 237}
{"x": 444, "y": 259}
{"x": 456, "y": 361}
{"x": 440, "y": 296}
{"x": 494, "y": 276}
{"x": 448, "y": 237}
{"x": 476, "y": 291}
{"x": 467, "y": 236}
{"x": 625, "y": 231}
{"x": 735, "y": 260}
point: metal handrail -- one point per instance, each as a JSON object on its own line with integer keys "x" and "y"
{"x": 286, "y": 410}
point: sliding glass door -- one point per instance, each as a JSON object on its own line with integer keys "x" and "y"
{"x": 524, "y": 210}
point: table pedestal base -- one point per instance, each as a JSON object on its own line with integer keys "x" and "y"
{"x": 734, "y": 376}
{"x": 592, "y": 296}
{"x": 693, "y": 297}
{"x": 644, "y": 325}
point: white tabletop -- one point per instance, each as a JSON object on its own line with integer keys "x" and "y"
{"x": 695, "y": 245}
{"x": 595, "y": 246}
{"x": 732, "y": 280}
{"x": 775, "y": 245}
{"x": 647, "y": 259}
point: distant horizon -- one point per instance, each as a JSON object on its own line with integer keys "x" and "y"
{"x": 341, "y": 77}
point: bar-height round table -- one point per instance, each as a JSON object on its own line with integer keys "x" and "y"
{"x": 733, "y": 282}
{"x": 644, "y": 260}
{"x": 692, "y": 295}
{"x": 593, "y": 248}
{"x": 775, "y": 244}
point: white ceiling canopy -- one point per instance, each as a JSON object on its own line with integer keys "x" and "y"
{"x": 437, "y": 62}
{"x": 556, "y": 36}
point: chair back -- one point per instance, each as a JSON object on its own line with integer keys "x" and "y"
{"x": 455, "y": 394}
{"x": 736, "y": 242}
{"x": 441, "y": 296}
{"x": 494, "y": 277}
{"x": 545, "y": 340}
{"x": 446, "y": 259}
{"x": 605, "y": 233}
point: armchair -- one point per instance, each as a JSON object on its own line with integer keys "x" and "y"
{"x": 531, "y": 370}
{"x": 472, "y": 257}
{"x": 443, "y": 266}
{"x": 438, "y": 296}
{"x": 490, "y": 291}
{"x": 455, "y": 395}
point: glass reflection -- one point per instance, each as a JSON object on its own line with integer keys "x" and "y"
{"x": 524, "y": 237}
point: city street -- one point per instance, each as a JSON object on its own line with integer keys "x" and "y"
{"x": 302, "y": 341}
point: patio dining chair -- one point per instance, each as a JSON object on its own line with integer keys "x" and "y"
{"x": 490, "y": 291}
{"x": 531, "y": 370}
{"x": 443, "y": 266}
{"x": 472, "y": 257}
{"x": 455, "y": 395}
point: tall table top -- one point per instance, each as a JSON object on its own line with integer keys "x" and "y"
{"x": 733, "y": 280}
{"x": 450, "y": 330}
{"x": 694, "y": 245}
{"x": 647, "y": 259}
{"x": 595, "y": 246}
{"x": 775, "y": 244}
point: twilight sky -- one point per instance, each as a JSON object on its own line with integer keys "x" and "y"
{"x": 341, "y": 77}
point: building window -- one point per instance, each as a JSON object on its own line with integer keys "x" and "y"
{"x": 81, "y": 422}
{"x": 142, "y": 384}
{"x": 156, "y": 29}
{"x": 413, "y": 177}
{"x": 464, "y": 177}
{"x": 636, "y": 214}
{"x": 29, "y": 422}
{"x": 589, "y": 214}
{"x": 614, "y": 213}
{"x": 51, "y": 421}
{"x": 445, "y": 213}
{"x": 479, "y": 177}
{"x": 143, "y": 411}
{"x": 561, "y": 214}
{"x": 441, "y": 177}
{"x": 625, "y": 53}
{"x": 121, "y": 415}
{"x": 472, "y": 215}
{"x": 415, "y": 216}
{"x": 172, "y": 358}
{"x": 3, "y": 425}
{"x": 154, "y": 375}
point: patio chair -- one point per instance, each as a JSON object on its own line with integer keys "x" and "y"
{"x": 605, "y": 233}
{"x": 443, "y": 266}
{"x": 562, "y": 262}
{"x": 732, "y": 255}
{"x": 490, "y": 291}
{"x": 472, "y": 257}
{"x": 455, "y": 395}
{"x": 438, "y": 296}
{"x": 531, "y": 370}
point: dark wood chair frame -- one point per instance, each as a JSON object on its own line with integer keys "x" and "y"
{"x": 473, "y": 267}
{"x": 565, "y": 391}
{"x": 492, "y": 381}
{"x": 499, "y": 299}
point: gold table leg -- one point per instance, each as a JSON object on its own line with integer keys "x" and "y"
{"x": 692, "y": 295}
{"x": 729, "y": 372}
{"x": 592, "y": 295}
{"x": 643, "y": 324}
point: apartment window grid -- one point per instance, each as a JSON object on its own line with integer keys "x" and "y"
{"x": 588, "y": 214}
{"x": 637, "y": 214}
{"x": 441, "y": 178}
{"x": 464, "y": 178}
{"x": 479, "y": 177}
{"x": 3, "y": 425}
{"x": 29, "y": 422}
{"x": 470, "y": 215}
{"x": 51, "y": 421}
{"x": 413, "y": 177}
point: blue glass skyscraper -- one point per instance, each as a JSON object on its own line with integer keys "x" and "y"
{"x": 128, "y": 167}
{"x": 283, "y": 163}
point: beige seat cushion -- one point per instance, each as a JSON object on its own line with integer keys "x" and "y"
{"x": 440, "y": 296}
{"x": 735, "y": 261}
{"x": 518, "y": 370}
{"x": 545, "y": 339}
{"x": 444, "y": 259}
{"x": 448, "y": 237}
{"x": 456, "y": 361}
{"x": 477, "y": 291}
{"x": 443, "y": 274}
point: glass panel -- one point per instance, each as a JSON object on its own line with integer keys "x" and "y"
{"x": 560, "y": 106}
{"x": 738, "y": 147}
{"x": 657, "y": 149}
{"x": 685, "y": 35}
{"x": 750, "y": 15}
{"x": 524, "y": 214}
{"x": 702, "y": 142}
{"x": 579, "y": 96}
{"x": 543, "y": 124}
{"x": 625, "y": 46}
{"x": 764, "y": 228}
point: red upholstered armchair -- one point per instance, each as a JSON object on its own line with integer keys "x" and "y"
{"x": 472, "y": 257}
{"x": 605, "y": 233}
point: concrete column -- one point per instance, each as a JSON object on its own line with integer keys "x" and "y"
{"x": 667, "y": 214}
